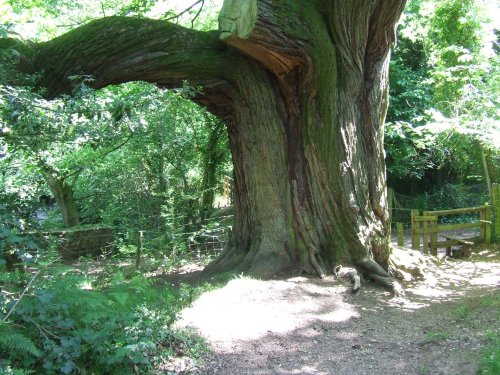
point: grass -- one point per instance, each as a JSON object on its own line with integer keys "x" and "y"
{"x": 479, "y": 316}
{"x": 473, "y": 312}
{"x": 490, "y": 364}
{"x": 463, "y": 312}
{"x": 423, "y": 370}
{"x": 435, "y": 336}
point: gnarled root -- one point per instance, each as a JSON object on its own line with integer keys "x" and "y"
{"x": 376, "y": 273}
{"x": 313, "y": 252}
{"x": 351, "y": 274}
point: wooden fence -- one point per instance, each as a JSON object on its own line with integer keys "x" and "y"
{"x": 495, "y": 201}
{"x": 427, "y": 225}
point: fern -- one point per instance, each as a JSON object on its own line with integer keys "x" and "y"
{"x": 123, "y": 324}
{"x": 14, "y": 371}
{"x": 16, "y": 342}
{"x": 78, "y": 298}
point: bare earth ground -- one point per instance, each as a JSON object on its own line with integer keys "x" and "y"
{"x": 304, "y": 325}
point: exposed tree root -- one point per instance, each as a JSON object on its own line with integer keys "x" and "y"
{"x": 351, "y": 274}
{"x": 376, "y": 273}
{"x": 408, "y": 264}
{"x": 313, "y": 252}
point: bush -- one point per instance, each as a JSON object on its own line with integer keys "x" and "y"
{"x": 63, "y": 326}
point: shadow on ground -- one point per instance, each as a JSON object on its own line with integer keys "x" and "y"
{"x": 303, "y": 325}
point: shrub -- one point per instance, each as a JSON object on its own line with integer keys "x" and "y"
{"x": 123, "y": 327}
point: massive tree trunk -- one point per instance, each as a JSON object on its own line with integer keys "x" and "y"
{"x": 302, "y": 88}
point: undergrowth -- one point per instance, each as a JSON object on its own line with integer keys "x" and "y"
{"x": 490, "y": 364}
{"x": 59, "y": 319}
{"x": 488, "y": 305}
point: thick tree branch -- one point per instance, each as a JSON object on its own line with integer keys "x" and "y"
{"x": 120, "y": 49}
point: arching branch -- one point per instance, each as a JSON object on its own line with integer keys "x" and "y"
{"x": 121, "y": 49}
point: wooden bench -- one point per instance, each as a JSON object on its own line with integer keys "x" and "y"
{"x": 466, "y": 247}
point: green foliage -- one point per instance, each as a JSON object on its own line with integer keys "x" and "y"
{"x": 16, "y": 246}
{"x": 134, "y": 156}
{"x": 444, "y": 105}
{"x": 45, "y": 19}
{"x": 433, "y": 155}
{"x": 451, "y": 49}
{"x": 490, "y": 364}
{"x": 408, "y": 151}
{"x": 156, "y": 181}
{"x": 410, "y": 93}
{"x": 16, "y": 343}
{"x": 73, "y": 322}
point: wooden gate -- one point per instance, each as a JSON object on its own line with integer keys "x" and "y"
{"x": 426, "y": 225}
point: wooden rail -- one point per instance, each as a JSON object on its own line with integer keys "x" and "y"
{"x": 426, "y": 225}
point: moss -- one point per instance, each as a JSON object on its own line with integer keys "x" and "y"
{"x": 80, "y": 228}
{"x": 121, "y": 49}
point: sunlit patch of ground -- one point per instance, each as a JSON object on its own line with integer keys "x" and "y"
{"x": 304, "y": 325}
{"x": 249, "y": 309}
{"x": 446, "y": 278}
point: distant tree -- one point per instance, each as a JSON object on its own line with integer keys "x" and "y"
{"x": 61, "y": 138}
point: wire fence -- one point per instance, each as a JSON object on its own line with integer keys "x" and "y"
{"x": 175, "y": 235}
{"x": 447, "y": 197}
{"x": 190, "y": 237}
{"x": 167, "y": 238}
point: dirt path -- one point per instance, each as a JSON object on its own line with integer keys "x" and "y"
{"x": 302, "y": 325}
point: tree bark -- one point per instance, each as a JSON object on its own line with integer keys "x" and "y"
{"x": 486, "y": 172}
{"x": 63, "y": 194}
{"x": 212, "y": 157}
{"x": 302, "y": 88}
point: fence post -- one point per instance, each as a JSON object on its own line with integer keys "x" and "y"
{"x": 400, "y": 234}
{"x": 139, "y": 251}
{"x": 433, "y": 230}
{"x": 425, "y": 231}
{"x": 496, "y": 211}
{"x": 482, "y": 220}
{"x": 487, "y": 225}
{"x": 415, "y": 229}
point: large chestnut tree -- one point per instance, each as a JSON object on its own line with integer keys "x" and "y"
{"x": 302, "y": 88}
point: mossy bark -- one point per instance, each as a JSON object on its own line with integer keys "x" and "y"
{"x": 212, "y": 157}
{"x": 64, "y": 196}
{"x": 302, "y": 88}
